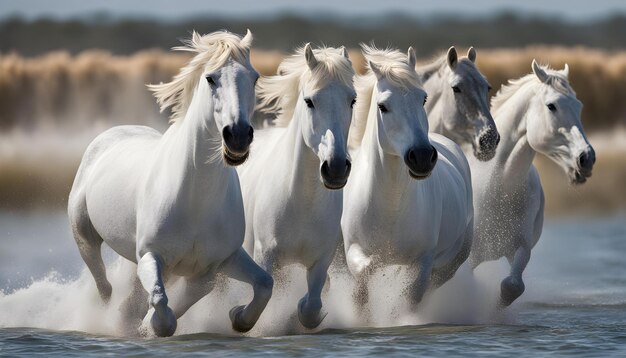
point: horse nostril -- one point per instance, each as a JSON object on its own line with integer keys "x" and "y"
{"x": 434, "y": 156}
{"x": 582, "y": 160}
{"x": 348, "y": 167}
{"x": 498, "y": 139}
{"x": 411, "y": 156}
{"x": 250, "y": 134}
{"x": 227, "y": 134}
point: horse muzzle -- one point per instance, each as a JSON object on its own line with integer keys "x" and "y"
{"x": 487, "y": 144}
{"x": 236, "y": 143}
{"x": 421, "y": 161}
{"x": 584, "y": 166}
{"x": 335, "y": 173}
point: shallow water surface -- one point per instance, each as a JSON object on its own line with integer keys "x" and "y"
{"x": 575, "y": 304}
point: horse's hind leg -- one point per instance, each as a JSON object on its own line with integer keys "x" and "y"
{"x": 150, "y": 272}
{"x": 89, "y": 244}
{"x": 310, "y": 306}
{"x": 513, "y": 286}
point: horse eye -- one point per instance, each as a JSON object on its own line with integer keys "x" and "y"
{"x": 551, "y": 107}
{"x": 489, "y": 88}
{"x": 425, "y": 99}
{"x": 382, "y": 108}
{"x": 309, "y": 103}
{"x": 456, "y": 89}
{"x": 353, "y": 103}
{"x": 256, "y": 80}
{"x": 210, "y": 80}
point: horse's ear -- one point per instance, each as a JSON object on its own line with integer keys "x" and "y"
{"x": 411, "y": 58}
{"x": 246, "y": 41}
{"x": 375, "y": 70}
{"x": 566, "y": 71}
{"x": 309, "y": 56}
{"x": 539, "y": 72}
{"x": 344, "y": 52}
{"x": 453, "y": 58}
{"x": 471, "y": 54}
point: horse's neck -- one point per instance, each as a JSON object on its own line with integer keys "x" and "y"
{"x": 189, "y": 159}
{"x": 301, "y": 165}
{"x": 435, "y": 105}
{"x": 514, "y": 155}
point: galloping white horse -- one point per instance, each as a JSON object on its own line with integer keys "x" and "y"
{"x": 409, "y": 201}
{"x": 291, "y": 185}
{"x": 536, "y": 113}
{"x": 458, "y": 105}
{"x": 172, "y": 202}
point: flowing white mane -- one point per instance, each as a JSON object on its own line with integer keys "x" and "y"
{"x": 213, "y": 50}
{"x": 278, "y": 94}
{"x": 395, "y": 68}
{"x": 557, "y": 79}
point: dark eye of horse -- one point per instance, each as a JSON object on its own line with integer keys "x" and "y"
{"x": 382, "y": 108}
{"x": 551, "y": 107}
{"x": 425, "y": 99}
{"x": 489, "y": 88}
{"x": 210, "y": 80}
{"x": 456, "y": 89}
{"x": 256, "y": 80}
{"x": 353, "y": 103}
{"x": 309, "y": 103}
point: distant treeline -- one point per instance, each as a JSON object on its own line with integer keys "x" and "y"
{"x": 126, "y": 36}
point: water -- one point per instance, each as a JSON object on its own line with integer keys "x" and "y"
{"x": 575, "y": 304}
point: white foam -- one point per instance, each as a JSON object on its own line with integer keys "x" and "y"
{"x": 59, "y": 304}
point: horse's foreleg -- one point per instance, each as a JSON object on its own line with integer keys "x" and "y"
{"x": 420, "y": 285}
{"x": 242, "y": 268}
{"x": 310, "y": 306}
{"x": 192, "y": 291}
{"x": 150, "y": 273}
{"x": 513, "y": 286}
{"x": 360, "y": 266}
{"x": 133, "y": 308}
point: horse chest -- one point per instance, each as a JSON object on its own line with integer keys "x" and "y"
{"x": 401, "y": 233}
{"x": 300, "y": 230}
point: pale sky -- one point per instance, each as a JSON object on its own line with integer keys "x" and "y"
{"x": 177, "y": 9}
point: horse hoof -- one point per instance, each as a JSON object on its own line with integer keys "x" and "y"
{"x": 310, "y": 320}
{"x": 510, "y": 290}
{"x": 238, "y": 323}
{"x": 163, "y": 322}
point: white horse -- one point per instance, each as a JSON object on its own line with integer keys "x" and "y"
{"x": 291, "y": 185}
{"x": 172, "y": 202}
{"x": 458, "y": 105}
{"x": 537, "y": 113}
{"x": 405, "y": 203}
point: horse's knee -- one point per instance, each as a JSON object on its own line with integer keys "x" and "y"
{"x": 510, "y": 289}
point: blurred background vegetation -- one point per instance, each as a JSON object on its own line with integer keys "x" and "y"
{"x": 63, "y": 81}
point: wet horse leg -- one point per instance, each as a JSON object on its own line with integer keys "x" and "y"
{"x": 150, "y": 272}
{"x": 193, "y": 290}
{"x": 310, "y": 306}
{"x": 513, "y": 286}
{"x": 417, "y": 289}
{"x": 241, "y": 267}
